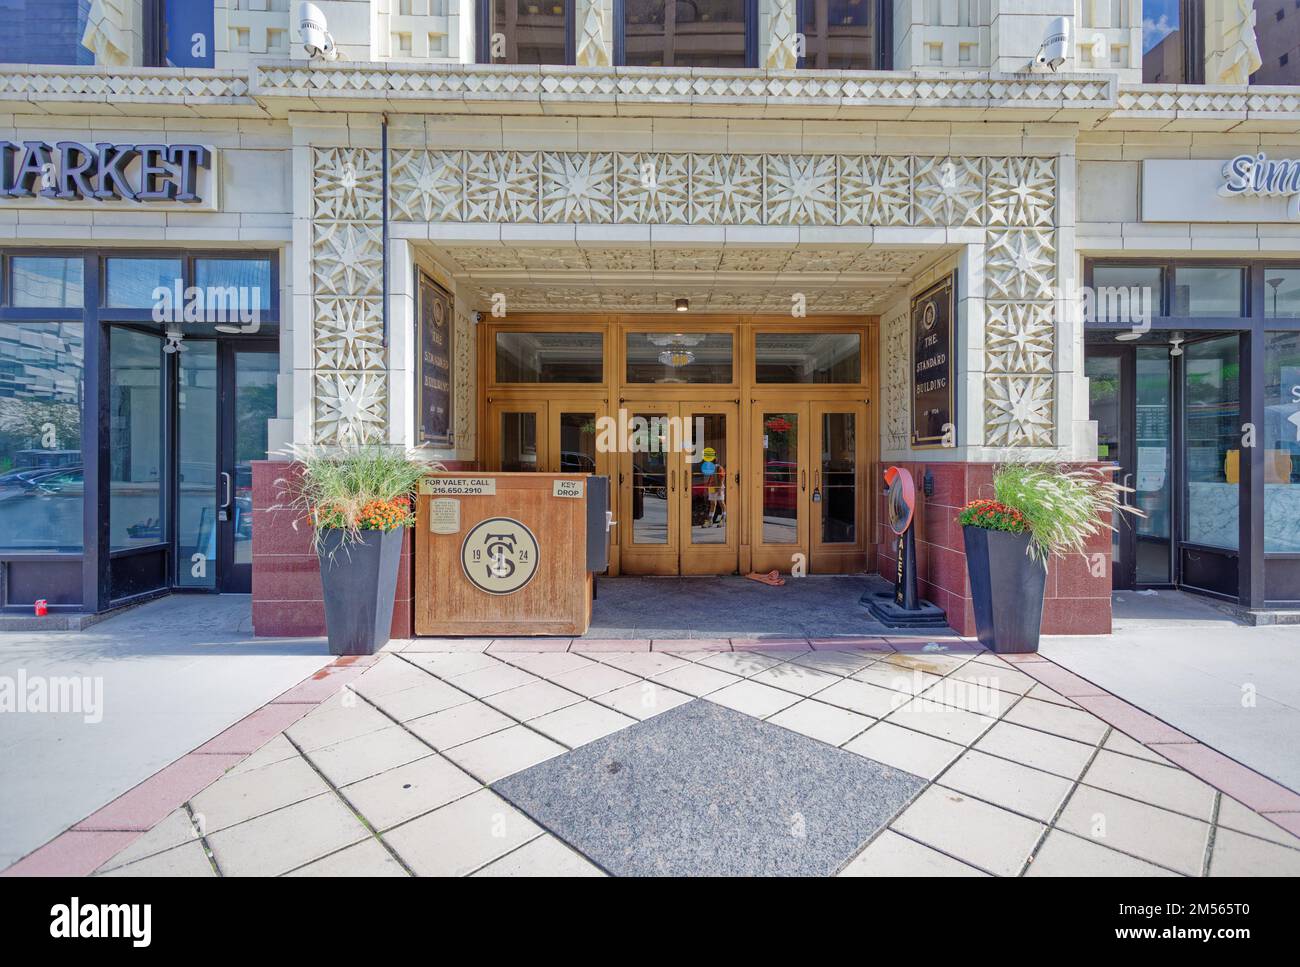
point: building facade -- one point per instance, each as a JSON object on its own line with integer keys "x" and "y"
{"x": 501, "y": 231}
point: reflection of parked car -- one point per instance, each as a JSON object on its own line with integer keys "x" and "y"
{"x": 572, "y": 461}
{"x": 30, "y": 463}
{"x": 780, "y": 485}
{"x": 53, "y": 482}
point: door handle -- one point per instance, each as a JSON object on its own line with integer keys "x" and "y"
{"x": 803, "y": 479}
{"x": 672, "y": 481}
{"x": 225, "y": 477}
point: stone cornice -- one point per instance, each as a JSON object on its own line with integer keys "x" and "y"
{"x": 680, "y": 91}
{"x": 1200, "y": 107}
{"x": 29, "y": 89}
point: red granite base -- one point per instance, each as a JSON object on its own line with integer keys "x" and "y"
{"x": 1077, "y": 602}
{"x": 287, "y": 597}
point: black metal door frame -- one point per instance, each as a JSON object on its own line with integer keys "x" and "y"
{"x": 232, "y": 577}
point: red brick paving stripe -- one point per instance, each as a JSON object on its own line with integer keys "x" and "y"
{"x": 852, "y": 644}
{"x": 147, "y": 804}
{"x": 1023, "y": 659}
{"x": 1288, "y": 821}
{"x": 1240, "y": 782}
{"x": 690, "y": 644}
{"x": 320, "y": 686}
{"x": 770, "y": 644}
{"x": 1131, "y": 720}
{"x": 507, "y": 646}
{"x": 1062, "y": 681}
{"x": 254, "y": 730}
{"x": 76, "y": 852}
{"x": 610, "y": 644}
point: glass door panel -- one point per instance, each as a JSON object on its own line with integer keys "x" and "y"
{"x": 1151, "y": 481}
{"x": 521, "y": 440}
{"x": 649, "y": 479}
{"x": 709, "y": 536}
{"x": 574, "y": 445}
{"x": 1106, "y": 395}
{"x": 780, "y": 517}
{"x": 249, "y": 381}
{"x": 836, "y": 527}
{"x": 196, "y": 471}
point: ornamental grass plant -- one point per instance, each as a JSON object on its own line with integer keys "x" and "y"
{"x": 1059, "y": 507}
{"x": 352, "y": 489}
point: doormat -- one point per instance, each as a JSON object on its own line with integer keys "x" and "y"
{"x": 703, "y": 790}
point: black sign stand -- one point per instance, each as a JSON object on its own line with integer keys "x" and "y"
{"x": 903, "y": 607}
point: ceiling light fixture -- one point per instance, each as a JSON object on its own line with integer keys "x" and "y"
{"x": 677, "y": 358}
{"x": 682, "y": 305}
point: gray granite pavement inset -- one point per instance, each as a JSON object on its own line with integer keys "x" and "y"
{"x": 704, "y": 790}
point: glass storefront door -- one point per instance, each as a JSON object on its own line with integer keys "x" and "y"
{"x": 709, "y": 526}
{"x": 837, "y": 461}
{"x": 779, "y": 526}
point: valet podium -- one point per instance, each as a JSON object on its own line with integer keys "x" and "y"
{"x": 506, "y": 553}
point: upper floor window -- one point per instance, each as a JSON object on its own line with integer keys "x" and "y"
{"x": 45, "y": 32}
{"x": 1172, "y": 41}
{"x": 840, "y": 34}
{"x": 525, "y": 31}
{"x": 1181, "y": 46}
{"x": 686, "y": 33}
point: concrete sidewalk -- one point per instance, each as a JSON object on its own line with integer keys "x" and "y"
{"x": 174, "y": 673}
{"x": 1234, "y": 687}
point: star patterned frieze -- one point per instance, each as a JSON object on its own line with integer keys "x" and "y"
{"x": 1022, "y": 191}
{"x": 1019, "y": 337}
{"x": 577, "y": 187}
{"x": 653, "y": 188}
{"x": 349, "y": 334}
{"x": 347, "y": 184}
{"x": 501, "y": 186}
{"x": 427, "y": 186}
{"x": 350, "y": 407}
{"x": 347, "y": 259}
{"x": 895, "y": 370}
{"x": 948, "y": 191}
{"x": 1020, "y": 265}
{"x": 875, "y": 190}
{"x": 658, "y": 188}
{"x": 1018, "y": 411}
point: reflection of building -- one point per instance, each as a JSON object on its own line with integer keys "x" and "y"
{"x": 1163, "y": 63}
{"x": 1277, "y": 30}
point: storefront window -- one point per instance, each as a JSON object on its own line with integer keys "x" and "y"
{"x": 550, "y": 357}
{"x": 1215, "y": 291}
{"x": 1282, "y": 442}
{"x": 43, "y": 282}
{"x": 131, "y": 282}
{"x": 41, "y": 368}
{"x": 1213, "y": 441}
{"x": 1126, "y": 293}
{"x": 1281, "y": 293}
{"x": 685, "y": 33}
{"x": 679, "y": 357}
{"x": 527, "y": 32}
{"x": 841, "y": 34}
{"x": 135, "y": 440}
{"x": 791, "y": 357}
{"x": 250, "y": 278}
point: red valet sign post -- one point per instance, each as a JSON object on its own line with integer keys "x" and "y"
{"x": 903, "y": 608}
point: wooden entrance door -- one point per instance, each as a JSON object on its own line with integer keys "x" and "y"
{"x": 808, "y": 508}
{"x": 678, "y": 511}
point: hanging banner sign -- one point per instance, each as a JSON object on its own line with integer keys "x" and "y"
{"x": 76, "y": 174}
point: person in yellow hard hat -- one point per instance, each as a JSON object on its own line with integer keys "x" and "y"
{"x": 715, "y": 481}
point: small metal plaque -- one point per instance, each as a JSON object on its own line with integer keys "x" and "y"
{"x": 444, "y": 515}
{"x": 459, "y": 486}
{"x": 567, "y": 488}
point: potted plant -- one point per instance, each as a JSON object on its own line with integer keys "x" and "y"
{"x": 1037, "y": 511}
{"x": 359, "y": 501}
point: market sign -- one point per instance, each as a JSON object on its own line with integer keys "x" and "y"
{"x": 433, "y": 394}
{"x": 74, "y": 173}
{"x": 1246, "y": 189}
{"x": 934, "y": 370}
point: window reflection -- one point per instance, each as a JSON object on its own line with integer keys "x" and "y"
{"x": 41, "y": 366}
{"x": 1282, "y": 442}
{"x": 135, "y": 440}
{"x": 684, "y": 33}
{"x": 528, "y": 32}
{"x": 1213, "y": 441}
{"x": 839, "y": 34}
{"x": 1164, "y": 42}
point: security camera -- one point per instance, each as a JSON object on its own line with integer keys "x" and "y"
{"x": 478, "y": 316}
{"x": 1056, "y": 45}
{"x": 316, "y": 40}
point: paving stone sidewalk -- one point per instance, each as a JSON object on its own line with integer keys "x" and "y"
{"x": 393, "y": 774}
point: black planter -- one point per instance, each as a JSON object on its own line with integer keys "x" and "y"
{"x": 360, "y": 583}
{"x": 1006, "y": 587}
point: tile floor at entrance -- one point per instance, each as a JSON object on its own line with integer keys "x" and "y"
{"x": 817, "y": 606}
{"x": 402, "y": 771}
